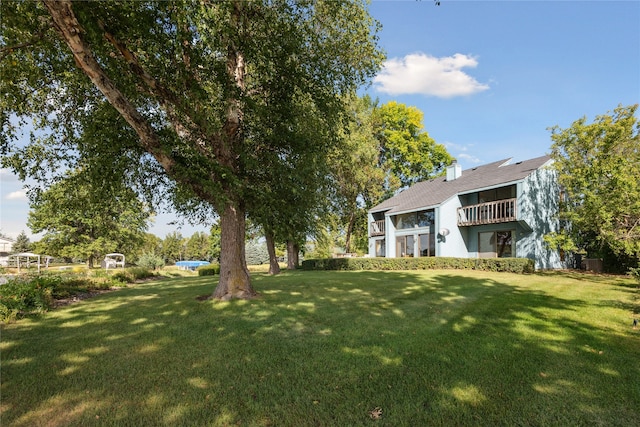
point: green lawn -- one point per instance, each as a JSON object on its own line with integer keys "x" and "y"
{"x": 329, "y": 349}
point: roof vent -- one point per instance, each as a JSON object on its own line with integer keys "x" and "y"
{"x": 454, "y": 171}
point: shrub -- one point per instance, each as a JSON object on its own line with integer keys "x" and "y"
{"x": 130, "y": 275}
{"x": 36, "y": 293}
{"x": 25, "y": 295}
{"x": 209, "y": 270}
{"x": 513, "y": 265}
{"x": 150, "y": 261}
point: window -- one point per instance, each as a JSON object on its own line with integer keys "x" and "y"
{"x": 405, "y": 221}
{"x": 415, "y": 219}
{"x": 501, "y": 193}
{"x": 495, "y": 244}
{"x": 426, "y": 218}
{"x": 427, "y": 244}
{"x": 404, "y": 246}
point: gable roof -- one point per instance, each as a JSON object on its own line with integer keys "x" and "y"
{"x": 435, "y": 191}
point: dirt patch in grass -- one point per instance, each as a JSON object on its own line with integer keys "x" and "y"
{"x": 81, "y": 296}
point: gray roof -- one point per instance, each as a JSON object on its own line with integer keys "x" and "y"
{"x": 436, "y": 191}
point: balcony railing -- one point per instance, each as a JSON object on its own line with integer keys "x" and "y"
{"x": 377, "y": 228}
{"x": 488, "y": 213}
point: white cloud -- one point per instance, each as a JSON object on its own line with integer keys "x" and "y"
{"x": 423, "y": 74}
{"x": 7, "y": 176}
{"x": 461, "y": 152}
{"x": 17, "y": 195}
{"x": 468, "y": 158}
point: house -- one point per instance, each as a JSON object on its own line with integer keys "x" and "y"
{"x": 495, "y": 210}
{"x": 6, "y": 247}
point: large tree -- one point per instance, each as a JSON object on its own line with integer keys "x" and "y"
{"x": 173, "y": 247}
{"x": 80, "y": 221}
{"x": 384, "y": 148}
{"x": 198, "y": 247}
{"x": 195, "y": 80}
{"x": 407, "y": 153}
{"x": 358, "y": 179}
{"x": 598, "y": 167}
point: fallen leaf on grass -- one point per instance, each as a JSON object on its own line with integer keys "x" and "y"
{"x": 376, "y": 414}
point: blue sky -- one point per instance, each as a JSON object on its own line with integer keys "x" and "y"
{"x": 490, "y": 77}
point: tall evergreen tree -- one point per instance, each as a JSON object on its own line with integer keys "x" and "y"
{"x": 22, "y": 244}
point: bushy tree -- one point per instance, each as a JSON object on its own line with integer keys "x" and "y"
{"x": 173, "y": 247}
{"x": 80, "y": 221}
{"x": 196, "y": 82}
{"x": 150, "y": 261}
{"x": 214, "y": 241}
{"x": 407, "y": 153}
{"x": 384, "y": 148}
{"x": 198, "y": 247}
{"x": 598, "y": 168}
{"x": 257, "y": 252}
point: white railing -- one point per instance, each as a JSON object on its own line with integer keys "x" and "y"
{"x": 377, "y": 228}
{"x": 488, "y": 213}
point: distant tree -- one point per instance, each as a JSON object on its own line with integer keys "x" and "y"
{"x": 214, "y": 241}
{"x": 598, "y": 168}
{"x": 407, "y": 153}
{"x": 173, "y": 247}
{"x": 257, "y": 252}
{"x": 384, "y": 148}
{"x": 198, "y": 247}
{"x": 151, "y": 261}
{"x": 151, "y": 244}
{"x": 357, "y": 178}
{"x": 22, "y": 244}
{"x": 80, "y": 221}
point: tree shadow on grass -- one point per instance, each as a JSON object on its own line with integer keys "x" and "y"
{"x": 322, "y": 349}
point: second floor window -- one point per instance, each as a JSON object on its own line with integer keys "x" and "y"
{"x": 420, "y": 219}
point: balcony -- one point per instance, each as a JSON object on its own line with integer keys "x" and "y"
{"x": 376, "y": 228}
{"x": 487, "y": 213}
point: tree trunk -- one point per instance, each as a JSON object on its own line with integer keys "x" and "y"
{"x": 292, "y": 255}
{"x": 234, "y": 276}
{"x": 352, "y": 220}
{"x": 274, "y": 267}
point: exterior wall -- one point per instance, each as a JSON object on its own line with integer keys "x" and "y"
{"x": 6, "y": 247}
{"x": 454, "y": 244}
{"x": 538, "y": 204}
{"x": 390, "y": 236}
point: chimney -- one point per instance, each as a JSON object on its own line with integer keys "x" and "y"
{"x": 454, "y": 171}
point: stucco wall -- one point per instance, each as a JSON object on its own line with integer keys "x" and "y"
{"x": 538, "y": 202}
{"x": 452, "y": 245}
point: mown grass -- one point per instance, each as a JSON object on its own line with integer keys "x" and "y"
{"x": 329, "y": 348}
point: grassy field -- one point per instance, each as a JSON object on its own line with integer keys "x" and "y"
{"x": 334, "y": 349}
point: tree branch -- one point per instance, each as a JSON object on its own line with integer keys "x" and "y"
{"x": 65, "y": 21}
{"x": 167, "y": 99}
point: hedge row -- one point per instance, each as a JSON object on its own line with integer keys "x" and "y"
{"x": 209, "y": 270}
{"x": 513, "y": 265}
